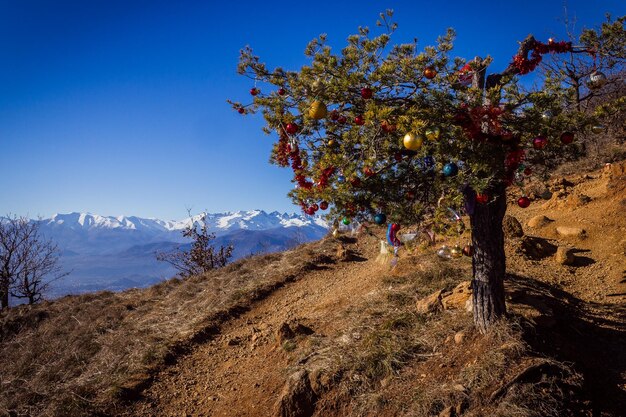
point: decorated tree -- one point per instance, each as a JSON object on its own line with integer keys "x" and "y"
{"x": 594, "y": 82}
{"x": 386, "y": 133}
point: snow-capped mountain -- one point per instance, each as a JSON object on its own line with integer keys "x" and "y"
{"x": 95, "y": 234}
{"x": 106, "y": 252}
{"x": 217, "y": 222}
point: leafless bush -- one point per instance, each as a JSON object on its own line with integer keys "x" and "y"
{"x": 202, "y": 256}
{"x": 28, "y": 261}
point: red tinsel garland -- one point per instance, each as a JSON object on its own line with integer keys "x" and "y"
{"x": 525, "y": 65}
{"x": 282, "y": 149}
{"x": 286, "y": 152}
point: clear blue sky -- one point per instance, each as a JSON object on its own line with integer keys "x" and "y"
{"x": 118, "y": 107}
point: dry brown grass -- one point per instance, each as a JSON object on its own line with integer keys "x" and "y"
{"x": 85, "y": 355}
{"x": 82, "y": 355}
{"x": 389, "y": 336}
{"x": 406, "y": 364}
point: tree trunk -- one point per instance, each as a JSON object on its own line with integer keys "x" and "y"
{"x": 4, "y": 295}
{"x": 488, "y": 260}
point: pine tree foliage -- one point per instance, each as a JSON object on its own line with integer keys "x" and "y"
{"x": 341, "y": 121}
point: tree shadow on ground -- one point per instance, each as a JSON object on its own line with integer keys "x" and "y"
{"x": 589, "y": 334}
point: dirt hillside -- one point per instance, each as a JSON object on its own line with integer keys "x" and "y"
{"x": 330, "y": 329}
{"x": 243, "y": 370}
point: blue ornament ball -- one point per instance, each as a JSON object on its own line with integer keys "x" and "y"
{"x": 341, "y": 179}
{"x": 428, "y": 163}
{"x": 450, "y": 169}
{"x": 380, "y": 218}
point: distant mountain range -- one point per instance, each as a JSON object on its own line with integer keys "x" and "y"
{"x": 115, "y": 253}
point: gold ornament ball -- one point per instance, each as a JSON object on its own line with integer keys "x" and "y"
{"x": 412, "y": 141}
{"x": 597, "y": 129}
{"x": 432, "y": 133}
{"x": 456, "y": 251}
{"x": 318, "y": 110}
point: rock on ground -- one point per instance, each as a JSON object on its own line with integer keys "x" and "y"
{"x": 297, "y": 398}
{"x": 512, "y": 227}
{"x": 577, "y": 200}
{"x": 567, "y": 231}
{"x": 459, "y": 296}
{"x": 284, "y": 333}
{"x": 430, "y": 304}
{"x": 564, "y": 256}
{"x": 539, "y": 221}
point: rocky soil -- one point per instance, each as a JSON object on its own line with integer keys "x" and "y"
{"x": 567, "y": 282}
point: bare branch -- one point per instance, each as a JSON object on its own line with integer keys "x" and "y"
{"x": 28, "y": 261}
{"x": 202, "y": 256}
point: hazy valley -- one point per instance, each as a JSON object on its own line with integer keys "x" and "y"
{"x": 116, "y": 253}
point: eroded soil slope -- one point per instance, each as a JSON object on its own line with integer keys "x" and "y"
{"x": 570, "y": 313}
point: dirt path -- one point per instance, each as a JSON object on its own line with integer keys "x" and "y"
{"x": 242, "y": 371}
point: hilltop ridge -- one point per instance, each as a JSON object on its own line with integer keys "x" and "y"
{"x": 327, "y": 329}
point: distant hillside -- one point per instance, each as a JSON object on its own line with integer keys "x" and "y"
{"x": 115, "y": 253}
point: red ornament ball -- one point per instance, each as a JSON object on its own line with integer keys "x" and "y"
{"x": 334, "y": 115}
{"x": 282, "y": 91}
{"x": 567, "y": 137}
{"x": 291, "y": 128}
{"x": 315, "y": 207}
{"x": 254, "y": 91}
{"x": 369, "y": 172}
{"x": 482, "y": 198}
{"x": 495, "y": 111}
{"x": 359, "y": 120}
{"x": 507, "y": 135}
{"x": 323, "y": 205}
{"x": 309, "y": 211}
{"x": 241, "y": 110}
{"x": 395, "y": 227}
{"x": 430, "y": 73}
{"x": 342, "y": 119}
{"x": 540, "y": 142}
{"x": 387, "y": 127}
{"x": 523, "y": 202}
{"x": 366, "y": 93}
